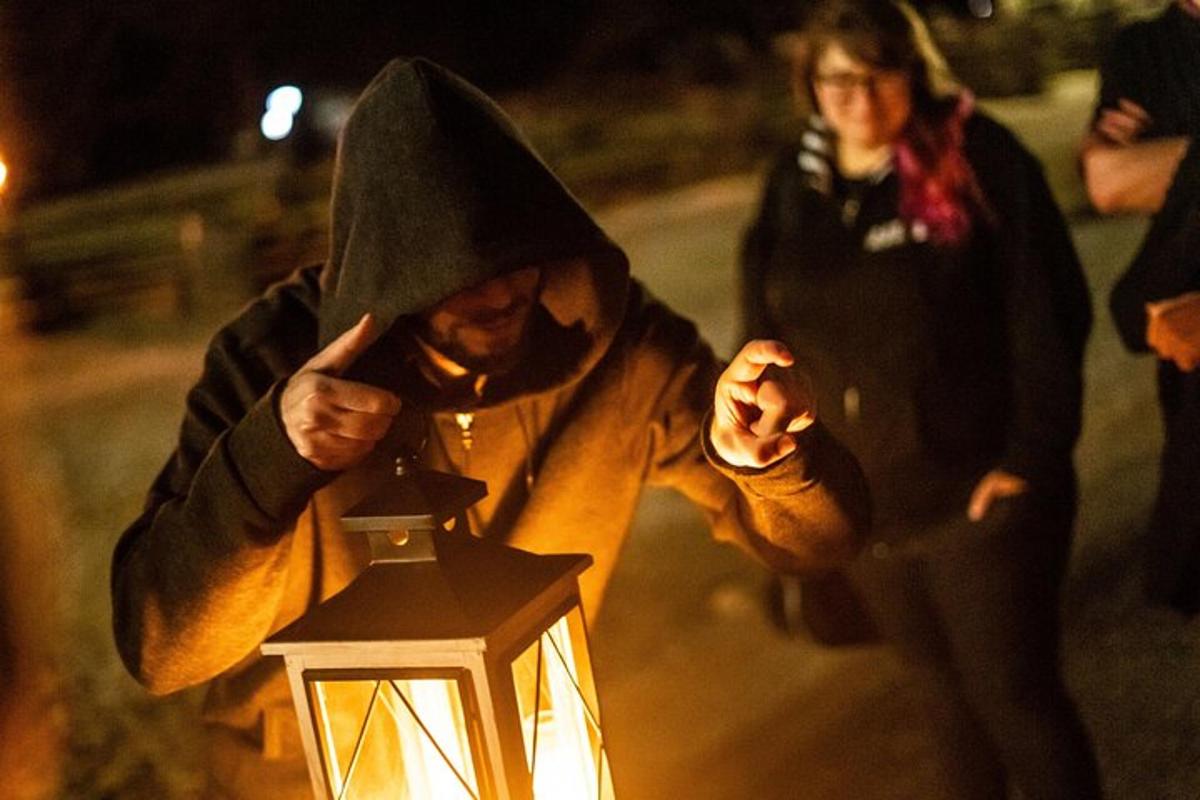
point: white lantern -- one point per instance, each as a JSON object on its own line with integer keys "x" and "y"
{"x": 452, "y": 667}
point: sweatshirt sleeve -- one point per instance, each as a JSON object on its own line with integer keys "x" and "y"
{"x": 758, "y": 244}
{"x": 1047, "y": 310}
{"x": 1168, "y": 262}
{"x": 807, "y": 513}
{"x": 197, "y": 578}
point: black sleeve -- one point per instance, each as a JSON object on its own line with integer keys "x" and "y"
{"x": 1117, "y": 73}
{"x": 1168, "y": 263}
{"x": 211, "y": 542}
{"x": 1048, "y": 316}
{"x": 758, "y": 247}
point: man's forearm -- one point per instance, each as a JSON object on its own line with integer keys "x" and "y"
{"x": 198, "y": 580}
{"x": 809, "y": 513}
{"x": 1132, "y": 178}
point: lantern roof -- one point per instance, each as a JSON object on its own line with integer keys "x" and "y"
{"x": 461, "y": 600}
{"x": 418, "y": 499}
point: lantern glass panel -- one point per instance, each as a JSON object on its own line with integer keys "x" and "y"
{"x": 564, "y": 747}
{"x": 394, "y": 736}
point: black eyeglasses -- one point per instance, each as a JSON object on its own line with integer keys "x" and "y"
{"x": 843, "y": 84}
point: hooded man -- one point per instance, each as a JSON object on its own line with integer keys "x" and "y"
{"x": 470, "y": 310}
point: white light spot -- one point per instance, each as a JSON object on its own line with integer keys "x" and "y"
{"x": 982, "y": 9}
{"x": 276, "y": 124}
{"x": 3, "y": 175}
{"x": 285, "y": 98}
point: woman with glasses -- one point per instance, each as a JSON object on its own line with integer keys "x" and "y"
{"x": 909, "y": 251}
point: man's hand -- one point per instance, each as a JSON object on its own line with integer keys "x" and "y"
{"x": 758, "y": 406}
{"x": 994, "y": 486}
{"x": 335, "y": 423}
{"x": 1173, "y": 330}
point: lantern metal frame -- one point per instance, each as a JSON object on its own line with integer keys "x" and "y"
{"x": 443, "y": 604}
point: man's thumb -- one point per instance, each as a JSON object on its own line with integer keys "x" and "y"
{"x": 339, "y": 354}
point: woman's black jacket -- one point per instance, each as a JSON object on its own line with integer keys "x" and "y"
{"x": 935, "y": 363}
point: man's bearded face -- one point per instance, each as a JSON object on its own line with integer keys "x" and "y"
{"x": 485, "y": 328}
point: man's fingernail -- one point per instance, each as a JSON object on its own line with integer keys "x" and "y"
{"x": 800, "y": 423}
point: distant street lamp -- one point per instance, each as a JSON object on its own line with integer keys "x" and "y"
{"x": 452, "y": 667}
{"x": 285, "y": 98}
{"x": 276, "y": 125}
{"x": 283, "y": 104}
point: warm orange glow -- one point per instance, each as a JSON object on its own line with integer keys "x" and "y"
{"x": 383, "y": 736}
{"x": 565, "y": 766}
{"x": 3, "y": 175}
{"x": 395, "y": 756}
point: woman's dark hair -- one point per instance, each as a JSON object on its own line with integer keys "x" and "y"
{"x": 938, "y": 186}
{"x": 881, "y": 34}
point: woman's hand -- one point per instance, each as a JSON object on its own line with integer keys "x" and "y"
{"x": 758, "y": 407}
{"x": 995, "y": 485}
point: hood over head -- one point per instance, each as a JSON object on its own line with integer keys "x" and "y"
{"x": 436, "y": 191}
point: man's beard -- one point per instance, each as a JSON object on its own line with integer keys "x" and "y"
{"x": 490, "y": 364}
{"x": 500, "y": 363}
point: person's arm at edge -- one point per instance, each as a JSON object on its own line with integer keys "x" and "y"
{"x": 1126, "y": 165}
{"x": 1132, "y": 178}
{"x": 1161, "y": 269}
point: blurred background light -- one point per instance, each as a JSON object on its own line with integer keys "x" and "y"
{"x": 276, "y": 124}
{"x": 285, "y": 98}
{"x": 3, "y": 175}
{"x": 982, "y": 9}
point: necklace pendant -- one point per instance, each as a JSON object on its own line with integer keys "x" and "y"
{"x": 466, "y": 423}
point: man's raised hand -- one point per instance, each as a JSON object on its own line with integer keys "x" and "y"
{"x": 334, "y": 423}
{"x": 759, "y": 406}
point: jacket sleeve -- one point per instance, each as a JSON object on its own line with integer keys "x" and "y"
{"x": 197, "y": 578}
{"x": 1168, "y": 263}
{"x": 758, "y": 243}
{"x": 1119, "y": 72}
{"x": 1047, "y": 310}
{"x": 806, "y": 513}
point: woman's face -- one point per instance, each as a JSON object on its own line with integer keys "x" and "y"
{"x": 866, "y": 107}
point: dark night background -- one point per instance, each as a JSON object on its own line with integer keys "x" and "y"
{"x": 101, "y": 92}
